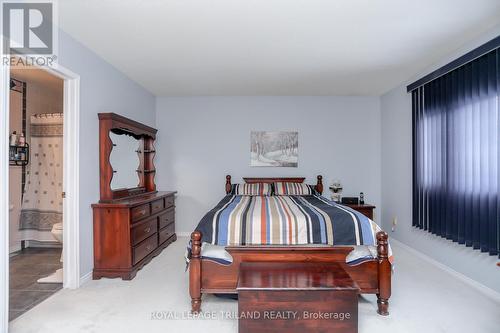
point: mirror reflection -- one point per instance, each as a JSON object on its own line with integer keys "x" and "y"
{"x": 124, "y": 161}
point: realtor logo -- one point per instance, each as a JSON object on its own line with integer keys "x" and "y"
{"x": 28, "y": 28}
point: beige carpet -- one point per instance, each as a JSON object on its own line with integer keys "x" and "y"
{"x": 425, "y": 299}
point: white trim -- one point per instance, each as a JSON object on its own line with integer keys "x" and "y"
{"x": 473, "y": 283}
{"x": 71, "y": 176}
{"x": 4, "y": 194}
{"x": 50, "y": 244}
{"x": 86, "y": 278}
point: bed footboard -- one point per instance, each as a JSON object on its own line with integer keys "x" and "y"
{"x": 373, "y": 276}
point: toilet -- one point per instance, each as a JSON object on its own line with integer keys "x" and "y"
{"x": 57, "y": 232}
{"x": 57, "y": 276}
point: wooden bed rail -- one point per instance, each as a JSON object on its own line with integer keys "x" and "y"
{"x": 319, "y": 182}
{"x": 377, "y": 273}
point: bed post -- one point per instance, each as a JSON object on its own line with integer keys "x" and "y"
{"x": 228, "y": 184}
{"x": 195, "y": 272}
{"x": 384, "y": 274}
{"x": 319, "y": 185}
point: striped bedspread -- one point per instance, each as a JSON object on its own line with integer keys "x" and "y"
{"x": 285, "y": 220}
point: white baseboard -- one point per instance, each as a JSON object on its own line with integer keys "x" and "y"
{"x": 473, "y": 283}
{"x": 35, "y": 244}
{"x": 44, "y": 244}
{"x": 15, "y": 248}
{"x": 84, "y": 279}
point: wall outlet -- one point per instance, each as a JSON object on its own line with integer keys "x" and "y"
{"x": 394, "y": 223}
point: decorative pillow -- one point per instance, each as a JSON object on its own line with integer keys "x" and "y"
{"x": 256, "y": 189}
{"x": 281, "y": 188}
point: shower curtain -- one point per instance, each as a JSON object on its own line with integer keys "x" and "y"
{"x": 42, "y": 200}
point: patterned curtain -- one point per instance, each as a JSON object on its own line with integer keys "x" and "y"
{"x": 42, "y": 200}
{"x": 456, "y": 157}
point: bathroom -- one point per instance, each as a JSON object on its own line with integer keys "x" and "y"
{"x": 35, "y": 188}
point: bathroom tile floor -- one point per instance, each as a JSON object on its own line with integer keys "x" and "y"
{"x": 26, "y": 267}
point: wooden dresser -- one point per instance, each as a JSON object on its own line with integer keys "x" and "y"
{"x": 129, "y": 233}
{"x": 133, "y": 222}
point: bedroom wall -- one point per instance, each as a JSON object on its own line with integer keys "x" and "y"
{"x": 204, "y": 138}
{"x": 102, "y": 89}
{"x": 397, "y": 186}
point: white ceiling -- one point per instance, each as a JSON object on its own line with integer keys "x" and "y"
{"x": 274, "y": 47}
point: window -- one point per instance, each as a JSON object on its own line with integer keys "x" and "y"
{"x": 456, "y": 154}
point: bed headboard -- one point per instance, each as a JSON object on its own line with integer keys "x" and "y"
{"x": 249, "y": 180}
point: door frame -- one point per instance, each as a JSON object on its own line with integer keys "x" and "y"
{"x": 4, "y": 195}
{"x": 71, "y": 178}
{"x": 71, "y": 175}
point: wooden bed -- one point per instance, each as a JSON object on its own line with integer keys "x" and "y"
{"x": 209, "y": 277}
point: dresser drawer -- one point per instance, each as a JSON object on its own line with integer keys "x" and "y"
{"x": 167, "y": 218}
{"x": 145, "y": 248}
{"x": 166, "y": 233}
{"x": 169, "y": 201}
{"x": 139, "y": 212}
{"x": 143, "y": 231}
{"x": 156, "y": 206}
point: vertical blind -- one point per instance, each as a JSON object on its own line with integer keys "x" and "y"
{"x": 456, "y": 154}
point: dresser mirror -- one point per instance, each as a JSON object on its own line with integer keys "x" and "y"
{"x": 124, "y": 160}
{"x": 126, "y": 154}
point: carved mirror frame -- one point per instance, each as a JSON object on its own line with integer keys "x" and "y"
{"x": 112, "y": 122}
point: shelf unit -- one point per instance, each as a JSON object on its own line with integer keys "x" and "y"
{"x": 111, "y": 122}
{"x": 19, "y": 155}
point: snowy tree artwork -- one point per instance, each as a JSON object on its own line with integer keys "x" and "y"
{"x": 278, "y": 149}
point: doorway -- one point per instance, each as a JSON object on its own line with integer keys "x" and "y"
{"x": 70, "y": 249}
{"x": 35, "y": 188}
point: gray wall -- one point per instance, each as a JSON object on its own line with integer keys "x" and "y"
{"x": 202, "y": 139}
{"x": 103, "y": 89}
{"x": 397, "y": 186}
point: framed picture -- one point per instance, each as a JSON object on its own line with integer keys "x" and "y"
{"x": 274, "y": 149}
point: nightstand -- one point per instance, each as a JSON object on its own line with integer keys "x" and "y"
{"x": 366, "y": 209}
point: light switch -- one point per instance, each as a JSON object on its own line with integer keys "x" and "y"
{"x": 394, "y": 223}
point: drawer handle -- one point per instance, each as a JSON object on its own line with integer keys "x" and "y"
{"x": 148, "y": 229}
{"x": 142, "y": 212}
